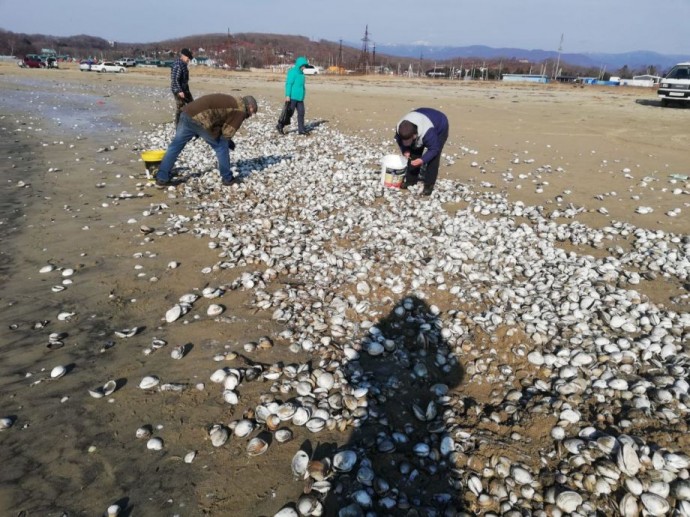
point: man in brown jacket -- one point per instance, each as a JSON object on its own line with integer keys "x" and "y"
{"x": 215, "y": 118}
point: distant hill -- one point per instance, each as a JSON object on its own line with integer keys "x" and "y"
{"x": 259, "y": 50}
{"x": 634, "y": 60}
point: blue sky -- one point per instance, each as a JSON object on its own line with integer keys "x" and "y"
{"x": 587, "y": 25}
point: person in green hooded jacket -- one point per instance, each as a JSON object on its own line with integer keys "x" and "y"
{"x": 295, "y": 92}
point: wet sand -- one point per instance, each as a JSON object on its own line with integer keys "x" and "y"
{"x": 73, "y": 181}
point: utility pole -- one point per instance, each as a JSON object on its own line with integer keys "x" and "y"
{"x": 364, "y": 56}
{"x": 558, "y": 61}
{"x": 339, "y": 64}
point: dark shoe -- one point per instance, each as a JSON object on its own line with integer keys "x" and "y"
{"x": 409, "y": 182}
{"x": 303, "y": 133}
{"x": 163, "y": 184}
{"x": 428, "y": 189}
{"x": 233, "y": 181}
{"x": 280, "y": 129}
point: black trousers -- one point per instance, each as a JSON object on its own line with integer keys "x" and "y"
{"x": 180, "y": 103}
{"x": 412, "y": 175}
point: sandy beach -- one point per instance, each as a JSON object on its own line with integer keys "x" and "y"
{"x": 75, "y": 196}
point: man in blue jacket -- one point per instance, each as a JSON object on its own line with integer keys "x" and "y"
{"x": 421, "y": 135}
{"x": 295, "y": 92}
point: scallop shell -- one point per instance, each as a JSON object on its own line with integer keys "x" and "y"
{"x": 257, "y": 446}
{"x": 154, "y": 444}
{"x": 148, "y": 382}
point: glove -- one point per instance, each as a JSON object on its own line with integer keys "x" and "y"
{"x": 231, "y": 145}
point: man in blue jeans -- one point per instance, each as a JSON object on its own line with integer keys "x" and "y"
{"x": 215, "y": 118}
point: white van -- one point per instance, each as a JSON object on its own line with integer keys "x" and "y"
{"x": 676, "y": 85}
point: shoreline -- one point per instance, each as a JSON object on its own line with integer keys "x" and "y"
{"x": 81, "y": 455}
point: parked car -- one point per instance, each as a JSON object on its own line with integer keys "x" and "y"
{"x": 676, "y": 85}
{"x": 126, "y": 61}
{"x": 108, "y": 66}
{"x": 86, "y": 64}
{"x": 31, "y": 61}
{"x": 310, "y": 70}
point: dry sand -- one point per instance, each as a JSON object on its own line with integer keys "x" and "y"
{"x": 68, "y": 452}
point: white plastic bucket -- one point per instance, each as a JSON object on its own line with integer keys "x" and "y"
{"x": 393, "y": 167}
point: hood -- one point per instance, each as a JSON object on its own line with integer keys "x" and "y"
{"x": 301, "y": 61}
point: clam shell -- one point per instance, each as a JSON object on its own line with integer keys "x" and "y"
{"x": 148, "y": 382}
{"x": 144, "y": 432}
{"x": 215, "y": 310}
{"x": 58, "y": 372}
{"x": 316, "y": 424}
{"x": 178, "y": 352}
{"x": 283, "y": 435}
{"x": 344, "y": 461}
{"x": 219, "y": 375}
{"x": 654, "y": 504}
{"x": 300, "y": 462}
{"x": 47, "y": 269}
{"x": 308, "y": 504}
{"x": 286, "y": 411}
{"x": 219, "y": 435}
{"x": 628, "y": 461}
{"x": 173, "y": 313}
{"x": 301, "y": 416}
{"x": 154, "y": 444}
{"x": 6, "y": 422}
{"x": 568, "y": 501}
{"x": 231, "y": 397}
{"x": 257, "y": 446}
{"x": 109, "y": 388}
{"x": 244, "y": 428}
{"x": 189, "y": 457}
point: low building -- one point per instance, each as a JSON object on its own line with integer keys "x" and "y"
{"x": 525, "y": 78}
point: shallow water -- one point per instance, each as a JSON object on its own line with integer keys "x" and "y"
{"x": 50, "y": 102}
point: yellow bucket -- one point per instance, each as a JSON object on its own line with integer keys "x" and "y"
{"x": 152, "y": 161}
{"x": 393, "y": 167}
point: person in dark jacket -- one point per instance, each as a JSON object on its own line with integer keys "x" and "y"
{"x": 421, "y": 135}
{"x": 295, "y": 93}
{"x": 179, "y": 82}
{"x": 215, "y": 118}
